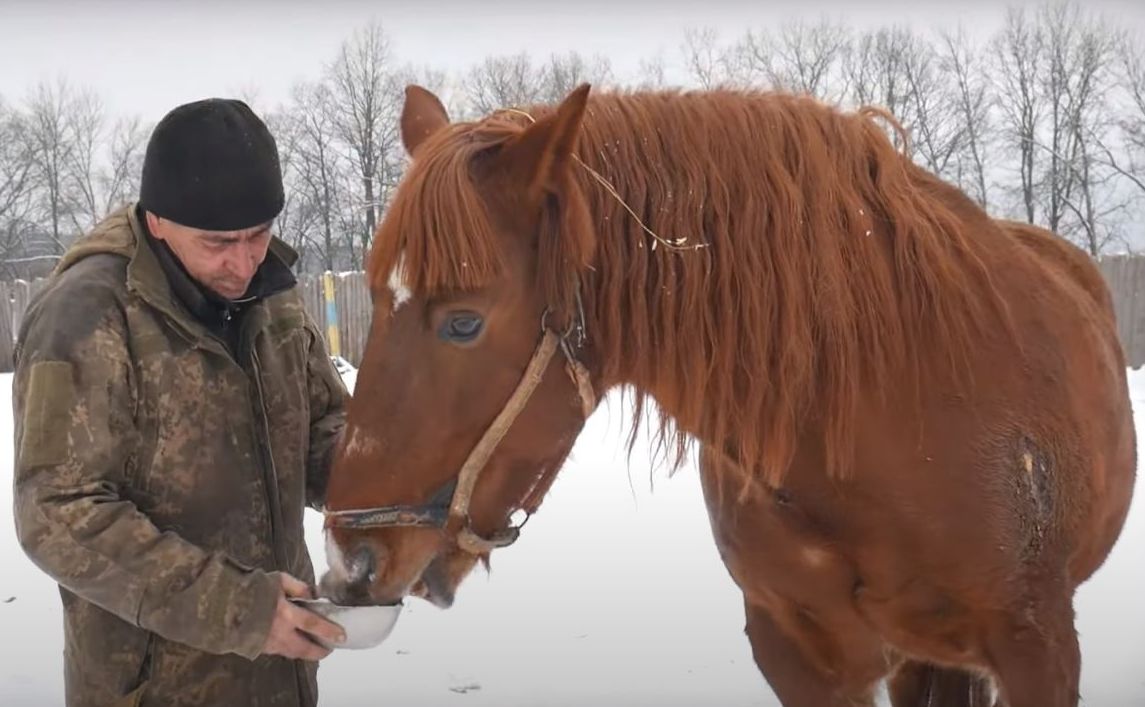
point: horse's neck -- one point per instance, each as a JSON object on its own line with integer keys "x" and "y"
{"x": 629, "y": 304}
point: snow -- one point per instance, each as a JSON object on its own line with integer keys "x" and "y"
{"x": 613, "y": 596}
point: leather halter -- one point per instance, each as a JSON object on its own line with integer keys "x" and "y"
{"x": 455, "y": 513}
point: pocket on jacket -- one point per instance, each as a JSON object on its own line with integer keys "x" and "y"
{"x": 134, "y": 698}
{"x": 51, "y": 398}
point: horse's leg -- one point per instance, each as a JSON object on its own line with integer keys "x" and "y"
{"x": 917, "y": 684}
{"x": 1035, "y": 656}
{"x": 794, "y": 680}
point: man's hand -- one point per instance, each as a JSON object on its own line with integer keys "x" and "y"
{"x": 291, "y": 624}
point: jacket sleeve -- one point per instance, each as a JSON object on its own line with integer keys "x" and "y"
{"x": 328, "y": 398}
{"x": 74, "y": 404}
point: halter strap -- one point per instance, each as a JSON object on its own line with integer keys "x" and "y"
{"x": 457, "y": 512}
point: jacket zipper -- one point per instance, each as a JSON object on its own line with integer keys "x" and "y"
{"x": 270, "y": 471}
{"x": 270, "y": 485}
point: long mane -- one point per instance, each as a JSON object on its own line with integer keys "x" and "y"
{"x": 765, "y": 260}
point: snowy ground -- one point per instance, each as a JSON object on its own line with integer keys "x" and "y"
{"x": 613, "y": 596}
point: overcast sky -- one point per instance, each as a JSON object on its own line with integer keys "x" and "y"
{"x": 146, "y": 57}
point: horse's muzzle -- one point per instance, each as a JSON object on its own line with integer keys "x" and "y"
{"x": 435, "y": 586}
{"x": 350, "y": 584}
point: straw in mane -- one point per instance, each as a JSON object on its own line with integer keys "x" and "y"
{"x": 785, "y": 259}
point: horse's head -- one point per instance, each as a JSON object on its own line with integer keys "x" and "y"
{"x": 475, "y": 277}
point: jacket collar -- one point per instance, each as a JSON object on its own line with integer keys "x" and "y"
{"x": 121, "y": 233}
{"x": 272, "y": 277}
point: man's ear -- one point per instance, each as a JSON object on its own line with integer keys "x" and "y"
{"x": 422, "y": 116}
{"x": 154, "y": 225}
{"x": 543, "y": 152}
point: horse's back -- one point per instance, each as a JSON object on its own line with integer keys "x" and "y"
{"x": 1059, "y": 253}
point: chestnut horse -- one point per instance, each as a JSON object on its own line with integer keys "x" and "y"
{"x": 916, "y": 438}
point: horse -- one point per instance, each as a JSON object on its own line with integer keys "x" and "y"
{"x": 914, "y": 433}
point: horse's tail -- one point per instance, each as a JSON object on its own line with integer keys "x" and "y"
{"x": 951, "y": 687}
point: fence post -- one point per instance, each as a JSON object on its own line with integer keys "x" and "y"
{"x": 7, "y": 330}
{"x": 333, "y": 341}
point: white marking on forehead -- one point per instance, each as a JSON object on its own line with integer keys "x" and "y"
{"x": 399, "y": 284}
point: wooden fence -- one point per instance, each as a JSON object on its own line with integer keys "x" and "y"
{"x": 14, "y": 299}
{"x": 352, "y": 310}
{"x": 351, "y": 299}
{"x": 1125, "y": 275}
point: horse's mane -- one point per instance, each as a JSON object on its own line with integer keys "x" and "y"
{"x": 796, "y": 260}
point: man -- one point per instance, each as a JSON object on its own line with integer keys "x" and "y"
{"x": 176, "y": 409}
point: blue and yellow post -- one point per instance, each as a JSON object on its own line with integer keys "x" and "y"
{"x": 333, "y": 341}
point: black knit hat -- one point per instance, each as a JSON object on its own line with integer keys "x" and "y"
{"x": 213, "y": 165}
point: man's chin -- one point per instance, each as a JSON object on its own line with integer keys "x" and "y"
{"x": 230, "y": 293}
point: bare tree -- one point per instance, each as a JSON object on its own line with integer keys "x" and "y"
{"x": 1089, "y": 50}
{"x": 366, "y": 96}
{"x": 318, "y": 171}
{"x": 801, "y": 57}
{"x": 1126, "y": 155}
{"x": 17, "y": 168}
{"x": 893, "y": 68}
{"x": 1018, "y": 52}
{"x": 84, "y": 119}
{"x": 971, "y": 101}
{"x": 289, "y": 226}
{"x": 501, "y": 82}
{"x": 51, "y": 132}
{"x": 875, "y": 69}
{"x": 937, "y": 129}
{"x": 652, "y": 73}
{"x": 1054, "y": 93}
{"x": 84, "y": 169}
{"x": 564, "y": 72}
{"x": 1055, "y": 81}
{"x": 708, "y": 63}
{"x": 119, "y": 179}
{"x": 349, "y": 218}
{"x": 515, "y": 80}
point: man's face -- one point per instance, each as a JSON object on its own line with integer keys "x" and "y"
{"x": 223, "y": 261}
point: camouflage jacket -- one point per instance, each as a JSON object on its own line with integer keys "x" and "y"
{"x": 161, "y": 481}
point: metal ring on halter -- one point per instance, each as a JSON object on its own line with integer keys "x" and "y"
{"x": 520, "y": 526}
{"x": 581, "y": 325}
{"x": 576, "y": 327}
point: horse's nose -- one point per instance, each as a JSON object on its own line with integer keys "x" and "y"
{"x": 350, "y": 583}
{"x": 361, "y": 567}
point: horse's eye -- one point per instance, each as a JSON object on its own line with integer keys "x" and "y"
{"x": 461, "y": 327}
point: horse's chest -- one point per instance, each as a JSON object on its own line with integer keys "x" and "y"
{"x": 776, "y": 553}
{"x": 789, "y": 564}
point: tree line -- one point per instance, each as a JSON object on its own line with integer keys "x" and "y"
{"x": 1042, "y": 121}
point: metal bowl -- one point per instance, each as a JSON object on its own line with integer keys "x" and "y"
{"x": 365, "y": 626}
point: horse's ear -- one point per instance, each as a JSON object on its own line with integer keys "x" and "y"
{"x": 544, "y": 151}
{"x": 422, "y": 116}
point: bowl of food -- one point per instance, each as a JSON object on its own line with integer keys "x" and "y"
{"x": 365, "y": 626}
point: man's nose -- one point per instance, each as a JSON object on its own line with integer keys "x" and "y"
{"x": 245, "y": 261}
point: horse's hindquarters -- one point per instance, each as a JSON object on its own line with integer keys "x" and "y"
{"x": 970, "y": 515}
